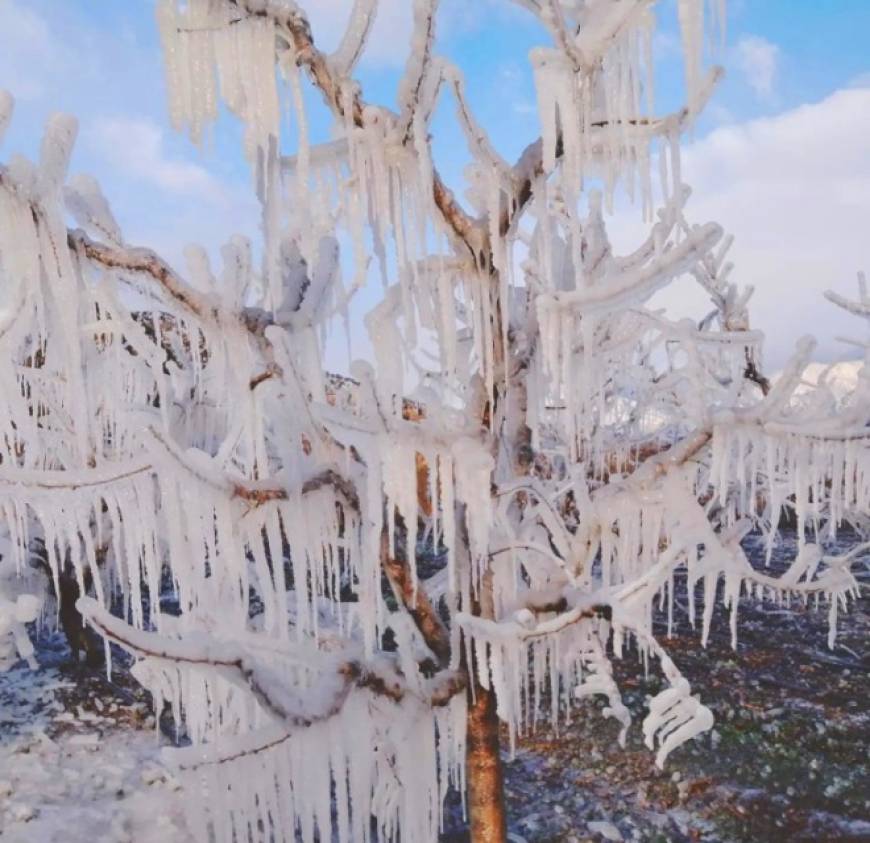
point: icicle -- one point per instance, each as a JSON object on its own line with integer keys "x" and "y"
{"x": 7, "y": 104}
{"x": 691, "y": 17}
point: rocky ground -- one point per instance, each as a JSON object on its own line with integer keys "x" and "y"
{"x": 787, "y": 761}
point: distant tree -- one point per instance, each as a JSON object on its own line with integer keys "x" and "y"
{"x": 371, "y": 573}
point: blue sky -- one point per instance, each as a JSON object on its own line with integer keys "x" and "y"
{"x": 780, "y": 157}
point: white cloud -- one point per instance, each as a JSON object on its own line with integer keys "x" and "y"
{"x": 667, "y": 45}
{"x": 135, "y": 147}
{"x": 758, "y": 60}
{"x": 862, "y": 80}
{"x": 390, "y": 38}
{"x": 794, "y": 189}
{"x": 29, "y": 55}
{"x": 163, "y": 200}
{"x": 721, "y": 114}
{"x": 524, "y": 108}
{"x": 54, "y": 55}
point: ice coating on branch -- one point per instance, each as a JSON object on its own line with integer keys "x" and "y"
{"x": 567, "y": 657}
{"x": 359, "y": 25}
{"x": 17, "y": 608}
{"x": 472, "y": 468}
{"x": 309, "y": 726}
{"x": 54, "y": 154}
{"x": 85, "y": 201}
{"x": 7, "y": 104}
{"x": 600, "y": 681}
{"x": 14, "y": 641}
{"x": 674, "y": 718}
{"x": 829, "y": 470}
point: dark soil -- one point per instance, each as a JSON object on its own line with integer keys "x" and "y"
{"x": 787, "y": 760}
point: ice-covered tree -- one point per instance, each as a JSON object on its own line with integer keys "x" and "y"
{"x": 372, "y": 572}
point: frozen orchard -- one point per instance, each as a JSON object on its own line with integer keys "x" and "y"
{"x": 371, "y": 569}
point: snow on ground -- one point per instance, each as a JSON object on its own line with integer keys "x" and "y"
{"x": 73, "y": 770}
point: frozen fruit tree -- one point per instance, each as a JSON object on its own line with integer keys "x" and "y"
{"x": 373, "y": 572}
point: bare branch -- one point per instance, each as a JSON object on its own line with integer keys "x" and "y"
{"x": 752, "y": 373}
{"x": 94, "y": 477}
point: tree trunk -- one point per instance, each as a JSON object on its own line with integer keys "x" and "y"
{"x": 483, "y": 768}
{"x": 486, "y": 802}
{"x": 80, "y": 637}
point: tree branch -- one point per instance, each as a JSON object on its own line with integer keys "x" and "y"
{"x": 146, "y": 262}
{"x": 415, "y": 600}
{"x": 58, "y": 479}
{"x": 530, "y": 165}
{"x": 297, "y": 30}
{"x": 440, "y": 690}
{"x": 294, "y": 712}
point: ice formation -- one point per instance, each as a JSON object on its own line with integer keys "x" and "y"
{"x": 560, "y": 448}
{"x": 18, "y": 608}
{"x": 14, "y": 641}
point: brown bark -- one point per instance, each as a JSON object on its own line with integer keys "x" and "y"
{"x": 483, "y": 767}
{"x": 416, "y": 602}
{"x": 147, "y": 262}
{"x": 81, "y": 639}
